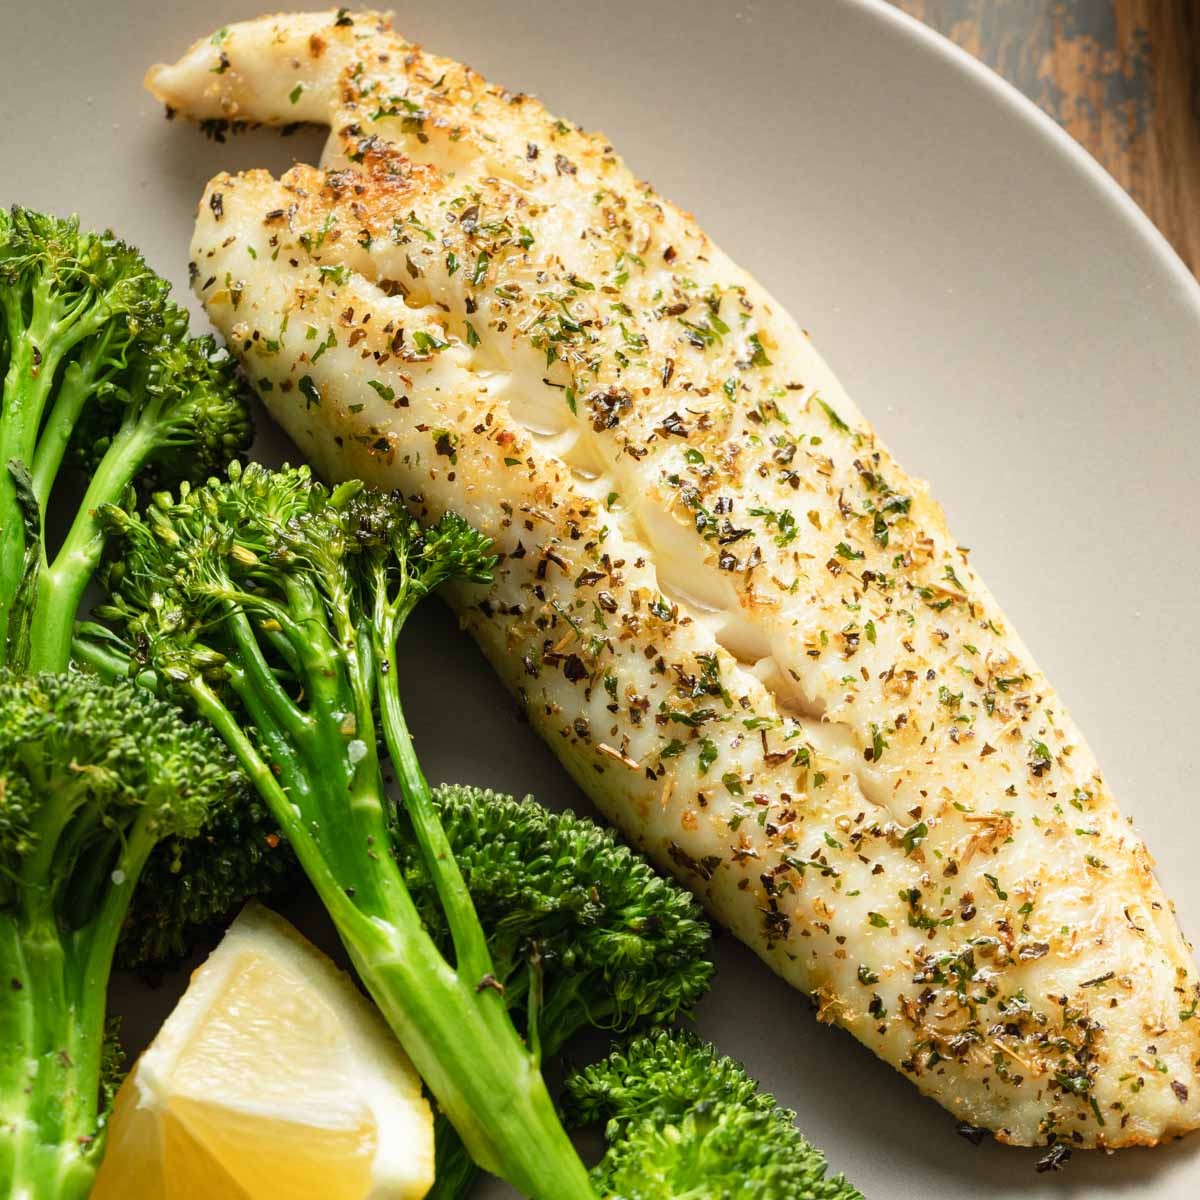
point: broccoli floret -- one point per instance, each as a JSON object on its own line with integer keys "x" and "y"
{"x": 685, "y": 1123}
{"x": 583, "y": 932}
{"x": 570, "y": 913}
{"x": 191, "y": 888}
{"x": 99, "y": 371}
{"x": 92, "y": 776}
{"x": 272, "y": 606}
{"x": 183, "y": 391}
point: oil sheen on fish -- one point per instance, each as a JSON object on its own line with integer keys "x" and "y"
{"x": 744, "y": 629}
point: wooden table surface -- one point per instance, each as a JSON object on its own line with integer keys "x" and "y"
{"x": 1122, "y": 76}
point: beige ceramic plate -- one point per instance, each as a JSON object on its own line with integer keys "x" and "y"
{"x": 1016, "y": 329}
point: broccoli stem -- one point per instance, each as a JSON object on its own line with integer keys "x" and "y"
{"x": 37, "y": 349}
{"x": 462, "y": 1042}
{"x": 48, "y": 1112}
{"x": 79, "y": 381}
{"x": 27, "y": 383}
{"x": 456, "y": 1173}
{"x": 52, "y": 1111}
{"x": 54, "y": 1033}
{"x": 16, "y": 1030}
{"x": 550, "y": 1027}
{"x": 453, "y": 1025}
{"x": 63, "y": 582}
{"x": 44, "y": 1155}
{"x": 93, "y": 647}
{"x": 470, "y": 946}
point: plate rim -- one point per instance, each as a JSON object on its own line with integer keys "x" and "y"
{"x": 1040, "y": 123}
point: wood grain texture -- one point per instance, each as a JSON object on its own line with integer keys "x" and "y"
{"x": 1122, "y": 76}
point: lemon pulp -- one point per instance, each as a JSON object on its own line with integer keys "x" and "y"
{"x": 273, "y": 1077}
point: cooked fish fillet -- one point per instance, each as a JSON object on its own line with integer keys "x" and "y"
{"x": 745, "y": 630}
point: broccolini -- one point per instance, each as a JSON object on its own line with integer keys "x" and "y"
{"x": 100, "y": 374}
{"x": 191, "y": 886}
{"x": 582, "y": 930}
{"x": 92, "y": 776}
{"x": 272, "y": 606}
{"x": 685, "y": 1123}
{"x": 99, "y": 370}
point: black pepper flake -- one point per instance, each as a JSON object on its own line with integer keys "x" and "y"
{"x": 1180, "y": 1090}
{"x": 776, "y": 925}
{"x": 727, "y": 534}
{"x": 703, "y": 867}
{"x": 607, "y": 406}
{"x": 217, "y": 203}
{"x": 972, "y": 1133}
{"x": 531, "y": 150}
{"x": 573, "y": 668}
{"x": 1054, "y": 1159}
{"x": 563, "y": 165}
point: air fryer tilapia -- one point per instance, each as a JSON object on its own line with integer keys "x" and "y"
{"x": 745, "y": 630}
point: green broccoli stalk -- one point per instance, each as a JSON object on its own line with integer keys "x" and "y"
{"x": 684, "y": 1123}
{"x": 99, "y": 371}
{"x": 272, "y": 606}
{"x": 582, "y": 931}
{"x": 100, "y": 374}
{"x": 92, "y": 777}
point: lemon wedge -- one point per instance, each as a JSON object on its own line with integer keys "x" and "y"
{"x": 273, "y": 1077}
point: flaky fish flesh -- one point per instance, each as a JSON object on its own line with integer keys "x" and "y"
{"x": 744, "y": 629}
